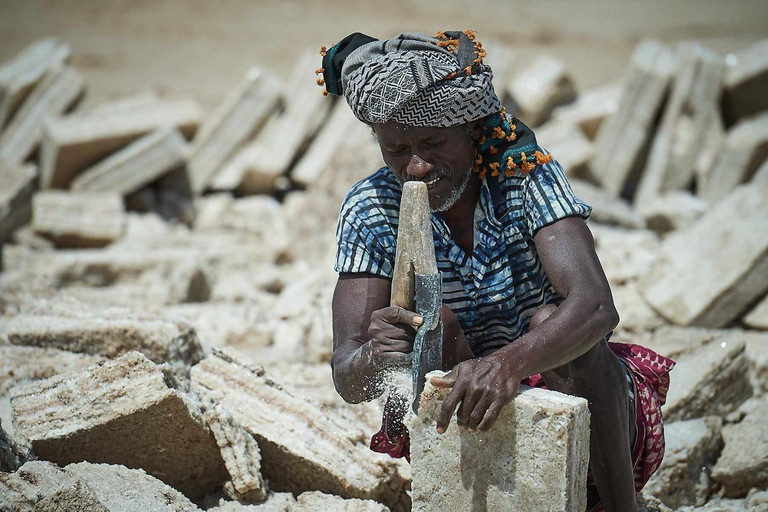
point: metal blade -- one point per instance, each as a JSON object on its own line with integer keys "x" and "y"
{"x": 428, "y": 346}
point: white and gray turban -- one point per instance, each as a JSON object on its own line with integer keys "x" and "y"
{"x": 412, "y": 79}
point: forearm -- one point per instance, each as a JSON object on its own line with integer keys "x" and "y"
{"x": 354, "y": 374}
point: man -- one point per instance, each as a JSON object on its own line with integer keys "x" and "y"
{"x": 525, "y": 297}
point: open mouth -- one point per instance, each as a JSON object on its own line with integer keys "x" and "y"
{"x": 432, "y": 182}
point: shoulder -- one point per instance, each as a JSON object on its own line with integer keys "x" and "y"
{"x": 373, "y": 195}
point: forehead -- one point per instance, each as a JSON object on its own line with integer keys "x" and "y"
{"x": 394, "y": 132}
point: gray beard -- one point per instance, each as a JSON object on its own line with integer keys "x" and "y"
{"x": 456, "y": 192}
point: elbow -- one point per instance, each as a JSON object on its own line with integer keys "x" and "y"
{"x": 608, "y": 316}
{"x": 344, "y": 387}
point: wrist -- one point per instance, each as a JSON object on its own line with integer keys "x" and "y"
{"x": 510, "y": 361}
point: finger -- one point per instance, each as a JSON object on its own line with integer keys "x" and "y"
{"x": 446, "y": 381}
{"x": 491, "y": 414}
{"x": 398, "y": 315}
{"x": 471, "y": 398}
{"x": 478, "y": 412}
{"x": 449, "y": 405}
{"x": 395, "y": 359}
{"x": 385, "y": 346}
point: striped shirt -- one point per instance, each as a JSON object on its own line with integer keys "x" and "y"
{"x": 495, "y": 290}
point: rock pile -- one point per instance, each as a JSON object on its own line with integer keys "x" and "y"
{"x": 151, "y": 253}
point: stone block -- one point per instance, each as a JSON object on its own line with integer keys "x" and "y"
{"x": 304, "y": 447}
{"x": 125, "y": 411}
{"x": 590, "y": 109}
{"x": 757, "y": 318}
{"x": 533, "y": 458}
{"x": 139, "y": 100}
{"x": 606, "y": 208}
{"x": 60, "y": 89}
{"x": 74, "y": 143}
{"x": 672, "y": 211}
{"x": 744, "y": 461}
{"x": 623, "y": 140}
{"x": 237, "y": 119}
{"x": 636, "y": 315}
{"x": 745, "y": 82}
{"x": 625, "y": 254}
{"x": 19, "y": 76}
{"x": 757, "y": 359}
{"x": 137, "y": 165}
{"x": 19, "y": 364}
{"x": 692, "y": 109}
{"x": 78, "y": 219}
{"x": 572, "y": 150}
{"x": 40, "y": 486}
{"x": 692, "y": 447}
{"x": 11, "y": 456}
{"x": 542, "y": 85}
{"x": 17, "y": 184}
{"x": 699, "y": 280}
{"x": 761, "y": 175}
{"x": 275, "y": 502}
{"x": 316, "y": 501}
{"x": 744, "y": 150}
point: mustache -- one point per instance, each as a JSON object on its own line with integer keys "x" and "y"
{"x": 432, "y": 175}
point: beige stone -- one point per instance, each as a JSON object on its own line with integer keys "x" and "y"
{"x": 691, "y": 449}
{"x": 78, "y": 219}
{"x": 237, "y": 119}
{"x": 692, "y": 109}
{"x": 43, "y": 487}
{"x": 59, "y": 90}
{"x": 539, "y": 87}
{"x": 757, "y": 358}
{"x": 757, "y": 318}
{"x": 139, "y": 100}
{"x": 304, "y": 447}
{"x": 17, "y": 184}
{"x": 625, "y": 254}
{"x": 745, "y": 82}
{"x": 19, "y": 76}
{"x": 11, "y": 456}
{"x": 137, "y": 165}
{"x": 744, "y": 150}
{"x": 699, "y": 280}
{"x": 623, "y": 139}
{"x": 275, "y": 502}
{"x": 744, "y": 461}
{"x": 20, "y": 364}
{"x": 635, "y": 314}
{"x": 672, "y": 211}
{"x": 316, "y": 501}
{"x": 533, "y": 458}
{"x": 590, "y": 109}
{"x": 572, "y": 150}
{"x": 606, "y": 208}
{"x": 71, "y": 144}
{"x": 761, "y": 175}
{"x": 125, "y": 411}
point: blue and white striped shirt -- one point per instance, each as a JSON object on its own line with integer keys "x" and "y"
{"x": 495, "y": 290}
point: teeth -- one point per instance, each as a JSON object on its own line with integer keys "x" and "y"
{"x": 432, "y": 181}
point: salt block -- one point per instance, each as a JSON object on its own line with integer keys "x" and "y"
{"x": 73, "y": 143}
{"x": 316, "y": 501}
{"x": 758, "y": 317}
{"x": 41, "y": 486}
{"x": 590, "y": 109}
{"x": 125, "y": 411}
{"x": 606, "y": 208}
{"x": 568, "y": 145}
{"x": 534, "y": 457}
{"x": 19, "y": 76}
{"x": 691, "y": 285}
{"x": 673, "y": 210}
{"x": 59, "y": 90}
{"x": 745, "y": 82}
{"x": 539, "y": 87}
{"x": 622, "y": 140}
{"x": 241, "y": 115}
{"x": 304, "y": 447}
{"x": 137, "y": 165}
{"x": 19, "y": 364}
{"x": 78, "y": 219}
{"x": 11, "y": 455}
{"x": 691, "y": 110}
{"x": 17, "y": 184}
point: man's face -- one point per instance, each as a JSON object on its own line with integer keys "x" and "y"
{"x": 440, "y": 157}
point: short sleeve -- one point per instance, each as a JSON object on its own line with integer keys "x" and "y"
{"x": 359, "y": 247}
{"x": 549, "y": 198}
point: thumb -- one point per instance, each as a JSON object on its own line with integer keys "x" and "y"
{"x": 446, "y": 381}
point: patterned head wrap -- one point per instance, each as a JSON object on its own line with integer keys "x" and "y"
{"x": 420, "y": 80}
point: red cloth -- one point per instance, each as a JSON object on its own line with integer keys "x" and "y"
{"x": 650, "y": 373}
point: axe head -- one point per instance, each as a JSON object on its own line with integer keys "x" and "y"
{"x": 428, "y": 345}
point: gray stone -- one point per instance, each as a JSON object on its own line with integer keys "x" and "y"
{"x": 607, "y": 209}
{"x": 74, "y": 143}
{"x": 699, "y": 280}
{"x": 672, "y": 211}
{"x": 11, "y": 455}
{"x": 590, "y": 109}
{"x": 623, "y": 139}
{"x": 692, "y": 447}
{"x": 20, "y": 364}
{"x": 744, "y": 150}
{"x": 757, "y": 318}
{"x": 533, "y": 458}
{"x": 745, "y": 82}
{"x": 237, "y": 119}
{"x": 757, "y": 357}
{"x": 137, "y": 165}
{"x": 17, "y": 184}
{"x": 543, "y": 84}
{"x": 316, "y": 501}
{"x": 78, "y": 219}
{"x": 761, "y": 175}
{"x": 744, "y": 461}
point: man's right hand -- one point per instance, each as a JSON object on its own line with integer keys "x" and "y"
{"x": 391, "y": 333}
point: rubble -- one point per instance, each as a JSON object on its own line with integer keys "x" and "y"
{"x": 541, "y": 86}
{"x": 275, "y": 502}
{"x": 19, "y": 76}
{"x": 745, "y": 82}
{"x": 11, "y": 455}
{"x": 540, "y": 433}
{"x": 60, "y": 89}
{"x": 757, "y": 318}
{"x": 17, "y": 185}
{"x": 744, "y": 461}
{"x": 316, "y": 501}
{"x": 40, "y": 486}
{"x": 673, "y": 211}
{"x": 622, "y": 141}
{"x": 124, "y": 411}
{"x": 607, "y": 209}
{"x": 304, "y": 447}
{"x": 238, "y": 118}
{"x": 690, "y": 285}
{"x": 568, "y": 146}
{"x": 692, "y": 447}
{"x": 19, "y": 363}
{"x": 73, "y": 143}
{"x": 78, "y": 219}
{"x": 589, "y": 109}
{"x": 138, "y": 164}
{"x": 625, "y": 254}
{"x": 635, "y": 314}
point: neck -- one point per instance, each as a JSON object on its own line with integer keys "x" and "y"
{"x": 460, "y": 218}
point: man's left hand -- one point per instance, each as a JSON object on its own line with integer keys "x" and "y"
{"x": 482, "y": 386}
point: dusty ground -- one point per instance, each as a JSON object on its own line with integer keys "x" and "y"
{"x": 200, "y": 48}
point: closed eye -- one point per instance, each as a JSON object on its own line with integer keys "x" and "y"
{"x": 434, "y": 144}
{"x": 397, "y": 151}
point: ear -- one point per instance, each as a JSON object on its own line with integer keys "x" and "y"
{"x": 475, "y": 129}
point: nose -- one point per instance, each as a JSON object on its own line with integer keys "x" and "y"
{"x": 418, "y": 167}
